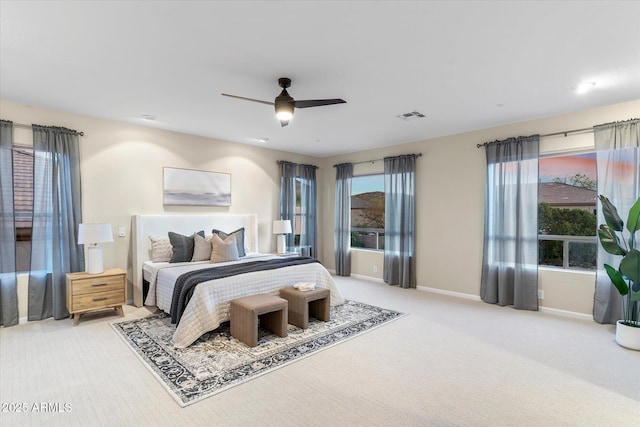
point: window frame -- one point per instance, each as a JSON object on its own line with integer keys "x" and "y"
{"x": 379, "y": 232}
{"x": 568, "y": 239}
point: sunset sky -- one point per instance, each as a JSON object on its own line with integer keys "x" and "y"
{"x": 567, "y": 166}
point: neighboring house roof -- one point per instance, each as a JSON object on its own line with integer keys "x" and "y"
{"x": 560, "y": 194}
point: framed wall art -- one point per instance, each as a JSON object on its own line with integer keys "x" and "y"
{"x": 189, "y": 187}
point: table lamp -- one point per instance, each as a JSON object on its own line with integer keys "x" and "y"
{"x": 282, "y": 227}
{"x": 92, "y": 235}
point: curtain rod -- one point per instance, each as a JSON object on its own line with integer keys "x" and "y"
{"x": 565, "y": 133}
{"x": 20, "y": 125}
{"x": 377, "y": 160}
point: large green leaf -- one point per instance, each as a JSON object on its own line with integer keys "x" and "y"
{"x": 611, "y": 214}
{"x": 630, "y": 265}
{"x": 617, "y": 280}
{"x": 633, "y": 223}
{"x": 609, "y": 240}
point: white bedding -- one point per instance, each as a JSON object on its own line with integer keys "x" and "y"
{"x": 209, "y": 305}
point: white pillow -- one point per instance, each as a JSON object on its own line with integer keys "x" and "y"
{"x": 201, "y": 248}
{"x": 224, "y": 250}
{"x": 161, "y": 249}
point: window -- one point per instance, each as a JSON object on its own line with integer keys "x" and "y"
{"x": 299, "y": 216}
{"x": 567, "y": 207}
{"x": 23, "y": 204}
{"x": 367, "y": 212}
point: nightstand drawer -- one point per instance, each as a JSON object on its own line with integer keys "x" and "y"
{"x": 98, "y": 284}
{"x": 98, "y": 299}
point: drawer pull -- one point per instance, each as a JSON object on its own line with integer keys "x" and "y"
{"x": 100, "y": 299}
{"x": 95, "y": 285}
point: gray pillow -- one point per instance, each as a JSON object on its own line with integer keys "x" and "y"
{"x": 182, "y": 247}
{"x": 239, "y": 234}
{"x": 226, "y": 250}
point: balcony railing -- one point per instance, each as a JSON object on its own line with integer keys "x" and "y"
{"x": 367, "y": 238}
{"x": 571, "y": 252}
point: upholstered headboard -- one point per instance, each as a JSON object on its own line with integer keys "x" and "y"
{"x": 143, "y": 226}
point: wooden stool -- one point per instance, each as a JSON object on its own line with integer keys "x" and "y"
{"x": 303, "y": 304}
{"x": 247, "y": 312}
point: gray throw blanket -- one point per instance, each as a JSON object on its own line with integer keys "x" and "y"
{"x": 186, "y": 282}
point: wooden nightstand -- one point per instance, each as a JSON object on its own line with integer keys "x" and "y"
{"x": 89, "y": 292}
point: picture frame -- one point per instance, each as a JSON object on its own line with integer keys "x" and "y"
{"x": 189, "y": 187}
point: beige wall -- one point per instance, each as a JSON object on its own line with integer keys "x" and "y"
{"x": 122, "y": 172}
{"x": 450, "y": 181}
{"x": 122, "y": 175}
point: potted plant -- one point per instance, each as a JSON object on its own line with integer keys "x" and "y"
{"x": 626, "y": 278}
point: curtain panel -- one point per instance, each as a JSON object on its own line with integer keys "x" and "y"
{"x": 510, "y": 256}
{"x": 57, "y": 214}
{"x": 8, "y": 278}
{"x": 342, "y": 219}
{"x": 288, "y": 196}
{"x": 399, "y": 221}
{"x": 618, "y": 161}
{"x": 308, "y": 207}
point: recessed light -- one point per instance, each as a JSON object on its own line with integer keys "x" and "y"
{"x": 584, "y": 87}
{"x": 149, "y": 117}
{"x": 263, "y": 139}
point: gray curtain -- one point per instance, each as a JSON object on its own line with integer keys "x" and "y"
{"x": 308, "y": 202}
{"x": 288, "y": 196}
{"x": 56, "y": 216}
{"x": 510, "y": 258}
{"x": 8, "y": 280}
{"x": 342, "y": 230}
{"x": 399, "y": 221}
{"x": 618, "y": 160}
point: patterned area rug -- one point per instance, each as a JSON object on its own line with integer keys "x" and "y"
{"x": 217, "y": 361}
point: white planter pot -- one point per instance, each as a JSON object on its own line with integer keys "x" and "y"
{"x": 628, "y": 336}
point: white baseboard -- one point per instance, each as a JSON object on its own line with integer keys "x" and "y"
{"x": 549, "y": 310}
{"x": 450, "y": 293}
{"x": 363, "y": 277}
{"x": 565, "y": 313}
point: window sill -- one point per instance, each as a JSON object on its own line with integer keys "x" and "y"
{"x": 368, "y": 250}
{"x": 567, "y": 270}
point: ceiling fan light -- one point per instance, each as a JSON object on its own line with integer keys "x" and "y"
{"x": 284, "y": 115}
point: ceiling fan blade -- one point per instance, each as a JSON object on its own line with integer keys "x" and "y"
{"x": 317, "y": 102}
{"x": 247, "y": 99}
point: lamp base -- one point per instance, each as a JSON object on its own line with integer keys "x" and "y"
{"x": 282, "y": 243}
{"x": 94, "y": 260}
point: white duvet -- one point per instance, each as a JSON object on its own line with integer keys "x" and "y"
{"x": 209, "y": 305}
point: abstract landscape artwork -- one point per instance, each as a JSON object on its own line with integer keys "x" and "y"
{"x": 196, "y": 188}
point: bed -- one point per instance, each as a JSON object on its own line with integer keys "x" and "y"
{"x": 209, "y": 304}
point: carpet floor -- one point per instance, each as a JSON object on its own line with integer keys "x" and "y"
{"x": 218, "y": 361}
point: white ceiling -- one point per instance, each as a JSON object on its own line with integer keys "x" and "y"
{"x": 466, "y": 65}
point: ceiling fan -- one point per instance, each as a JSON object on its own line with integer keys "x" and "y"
{"x": 285, "y": 104}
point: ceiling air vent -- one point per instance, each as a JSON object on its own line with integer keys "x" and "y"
{"x": 411, "y": 116}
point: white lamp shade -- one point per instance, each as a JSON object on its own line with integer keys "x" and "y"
{"x": 282, "y": 226}
{"x": 94, "y": 233}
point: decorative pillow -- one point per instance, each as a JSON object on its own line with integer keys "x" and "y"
{"x": 161, "y": 249}
{"x": 239, "y": 233}
{"x": 182, "y": 247}
{"x": 201, "y": 248}
{"x": 224, "y": 250}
